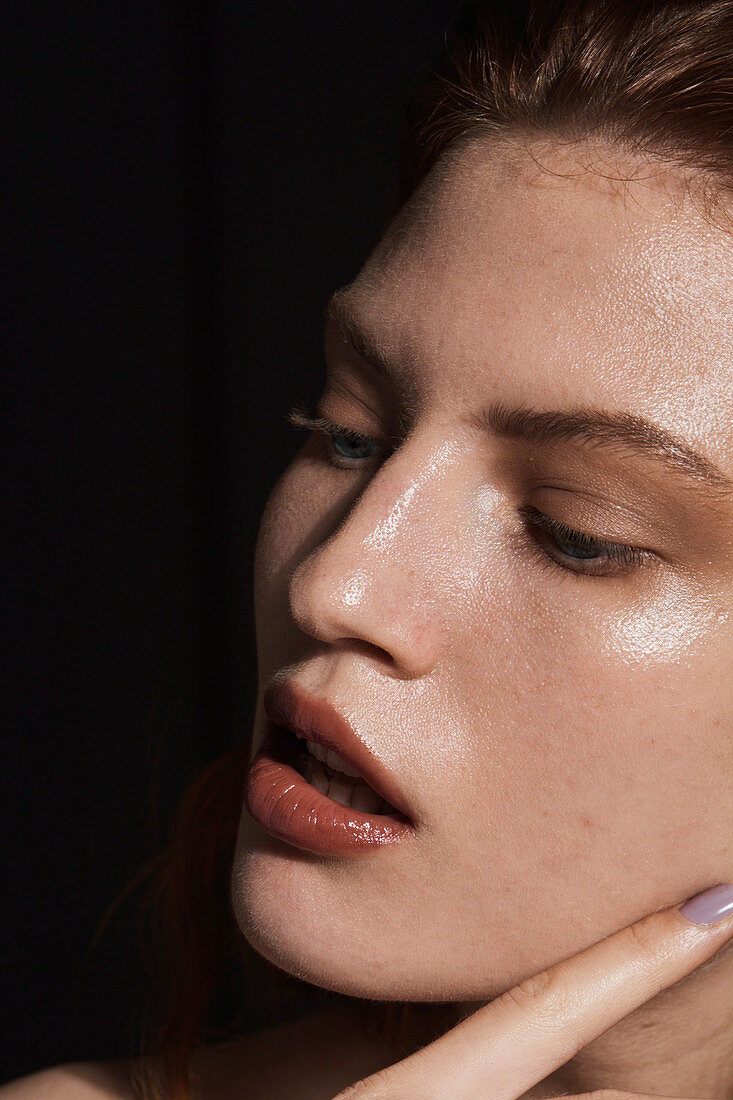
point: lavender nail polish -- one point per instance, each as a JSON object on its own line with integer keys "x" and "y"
{"x": 710, "y": 906}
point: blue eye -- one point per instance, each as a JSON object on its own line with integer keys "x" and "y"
{"x": 345, "y": 445}
{"x": 583, "y": 550}
{"x": 350, "y": 445}
{"x": 577, "y": 552}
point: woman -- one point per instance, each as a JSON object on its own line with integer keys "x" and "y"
{"x": 492, "y": 743}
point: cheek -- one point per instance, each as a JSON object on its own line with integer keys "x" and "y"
{"x": 280, "y": 531}
{"x": 595, "y": 751}
{"x": 286, "y": 535}
{"x": 304, "y": 508}
{"x": 570, "y": 754}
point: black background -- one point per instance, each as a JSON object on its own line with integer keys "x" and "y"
{"x": 187, "y": 184}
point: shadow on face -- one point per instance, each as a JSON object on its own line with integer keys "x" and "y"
{"x": 505, "y": 556}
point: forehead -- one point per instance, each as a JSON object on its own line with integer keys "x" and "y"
{"x": 525, "y": 276}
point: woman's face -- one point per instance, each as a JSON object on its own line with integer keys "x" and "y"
{"x": 555, "y": 710}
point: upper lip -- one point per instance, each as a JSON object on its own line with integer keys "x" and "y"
{"x": 289, "y": 704}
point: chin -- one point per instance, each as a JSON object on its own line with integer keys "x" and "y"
{"x": 282, "y": 922}
{"x": 334, "y": 970}
{"x": 300, "y": 923}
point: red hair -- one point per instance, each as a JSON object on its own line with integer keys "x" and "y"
{"x": 195, "y": 957}
{"x": 653, "y": 77}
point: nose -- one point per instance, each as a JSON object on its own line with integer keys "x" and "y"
{"x": 372, "y": 582}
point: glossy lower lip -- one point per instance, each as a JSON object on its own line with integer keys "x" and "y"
{"x": 288, "y": 807}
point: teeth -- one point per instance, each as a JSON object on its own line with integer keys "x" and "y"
{"x": 338, "y": 764}
{"x": 332, "y": 759}
{"x": 358, "y": 796}
{"x": 340, "y": 792}
{"x": 319, "y": 780}
{"x": 319, "y": 751}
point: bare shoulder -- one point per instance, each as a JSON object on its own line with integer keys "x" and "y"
{"x": 77, "y": 1081}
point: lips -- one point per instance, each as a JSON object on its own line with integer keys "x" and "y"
{"x": 280, "y": 799}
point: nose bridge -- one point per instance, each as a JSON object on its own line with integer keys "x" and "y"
{"x": 415, "y": 482}
{"x": 371, "y": 579}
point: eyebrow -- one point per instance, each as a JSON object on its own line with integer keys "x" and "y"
{"x": 595, "y": 427}
{"x": 585, "y": 426}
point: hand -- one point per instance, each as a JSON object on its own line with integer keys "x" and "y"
{"x": 518, "y": 1039}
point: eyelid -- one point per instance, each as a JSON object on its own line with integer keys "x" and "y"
{"x": 556, "y": 527}
{"x": 302, "y": 419}
{"x": 623, "y": 554}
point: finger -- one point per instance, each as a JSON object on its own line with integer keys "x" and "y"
{"x": 615, "y": 1094}
{"x": 518, "y": 1039}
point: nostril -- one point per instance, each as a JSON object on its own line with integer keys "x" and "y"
{"x": 377, "y": 612}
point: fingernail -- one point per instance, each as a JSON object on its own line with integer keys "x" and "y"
{"x": 710, "y": 906}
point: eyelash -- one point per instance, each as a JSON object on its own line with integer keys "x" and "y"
{"x": 299, "y": 418}
{"x": 623, "y": 557}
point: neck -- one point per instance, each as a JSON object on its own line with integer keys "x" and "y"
{"x": 678, "y": 1044}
